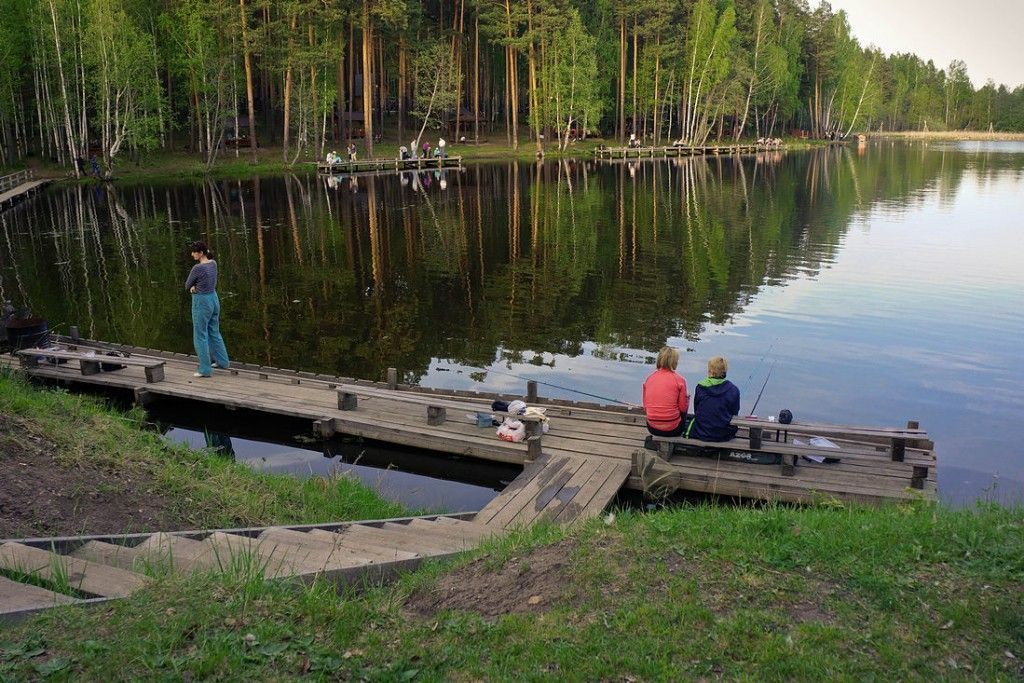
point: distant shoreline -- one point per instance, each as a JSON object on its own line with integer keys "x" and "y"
{"x": 978, "y": 135}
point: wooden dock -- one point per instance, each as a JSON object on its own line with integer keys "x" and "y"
{"x": 437, "y": 420}
{"x": 570, "y": 474}
{"x": 18, "y": 186}
{"x": 368, "y": 165}
{"x": 670, "y": 151}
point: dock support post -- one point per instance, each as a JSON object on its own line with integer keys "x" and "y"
{"x": 899, "y": 447}
{"x": 73, "y": 333}
{"x": 919, "y": 477}
{"x": 324, "y": 427}
{"x": 347, "y": 400}
{"x": 531, "y": 391}
{"x": 789, "y": 465}
{"x": 665, "y": 449}
{"x": 155, "y": 373}
{"x": 755, "y": 438}
{"x": 436, "y": 415}
{"x": 392, "y": 378}
{"x": 534, "y": 432}
{"x": 143, "y": 397}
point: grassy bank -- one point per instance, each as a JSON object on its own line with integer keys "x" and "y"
{"x": 691, "y": 593}
{"x": 71, "y": 465}
{"x": 950, "y": 135}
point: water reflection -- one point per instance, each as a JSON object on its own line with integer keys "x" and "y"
{"x": 883, "y": 283}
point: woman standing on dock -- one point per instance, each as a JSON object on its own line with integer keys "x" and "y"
{"x": 666, "y": 399}
{"x": 202, "y": 285}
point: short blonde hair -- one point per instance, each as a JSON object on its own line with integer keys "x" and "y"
{"x": 718, "y": 367}
{"x": 668, "y": 358}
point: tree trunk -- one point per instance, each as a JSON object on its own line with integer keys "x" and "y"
{"x": 248, "y": 80}
{"x": 367, "y": 79}
{"x": 476, "y": 77}
{"x": 288, "y": 90}
{"x": 64, "y": 93}
{"x": 622, "y": 79}
{"x": 402, "y": 87}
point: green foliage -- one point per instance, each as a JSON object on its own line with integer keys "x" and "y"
{"x": 898, "y": 592}
{"x": 70, "y": 84}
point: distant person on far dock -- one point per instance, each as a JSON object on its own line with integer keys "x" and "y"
{"x": 715, "y": 401}
{"x": 403, "y": 153}
{"x": 412, "y": 149}
{"x": 666, "y": 399}
{"x": 426, "y": 150}
{"x": 441, "y": 146}
{"x": 202, "y": 285}
{"x": 351, "y": 151}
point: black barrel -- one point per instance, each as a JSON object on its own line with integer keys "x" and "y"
{"x": 27, "y": 333}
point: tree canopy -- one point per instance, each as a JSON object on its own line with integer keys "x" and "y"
{"x": 84, "y": 78}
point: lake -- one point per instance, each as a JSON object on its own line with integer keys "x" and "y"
{"x": 869, "y": 285}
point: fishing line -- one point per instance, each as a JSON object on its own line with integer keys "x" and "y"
{"x": 553, "y": 386}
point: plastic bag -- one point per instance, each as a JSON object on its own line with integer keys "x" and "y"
{"x": 512, "y": 430}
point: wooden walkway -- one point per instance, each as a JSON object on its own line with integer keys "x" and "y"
{"x": 364, "y": 165}
{"x": 18, "y": 186}
{"x": 443, "y": 421}
{"x": 675, "y": 151}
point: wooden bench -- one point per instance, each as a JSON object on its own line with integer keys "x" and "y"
{"x": 773, "y": 438}
{"x": 90, "y": 363}
{"x": 437, "y": 411}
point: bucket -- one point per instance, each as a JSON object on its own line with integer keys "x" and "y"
{"x": 27, "y": 333}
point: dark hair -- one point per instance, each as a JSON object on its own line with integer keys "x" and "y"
{"x": 201, "y": 247}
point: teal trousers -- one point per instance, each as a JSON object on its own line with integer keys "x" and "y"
{"x": 206, "y": 332}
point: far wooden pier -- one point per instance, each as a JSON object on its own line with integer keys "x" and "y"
{"x": 18, "y": 186}
{"x": 365, "y": 165}
{"x": 669, "y": 151}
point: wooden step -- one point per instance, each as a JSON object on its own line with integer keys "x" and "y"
{"x": 335, "y": 553}
{"x": 15, "y": 597}
{"x": 180, "y": 553}
{"x": 110, "y": 554}
{"x": 481, "y": 530}
{"x": 364, "y": 547}
{"x": 273, "y": 559}
{"x": 320, "y": 550}
{"x": 83, "y": 575}
{"x": 402, "y": 539}
{"x": 470, "y": 538}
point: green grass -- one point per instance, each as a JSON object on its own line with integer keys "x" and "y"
{"x": 205, "y": 490}
{"x": 901, "y": 592}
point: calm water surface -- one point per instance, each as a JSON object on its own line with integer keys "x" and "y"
{"x": 868, "y": 286}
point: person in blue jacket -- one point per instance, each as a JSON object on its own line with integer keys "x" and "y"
{"x": 715, "y": 401}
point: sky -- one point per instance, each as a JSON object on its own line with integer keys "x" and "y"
{"x": 987, "y": 34}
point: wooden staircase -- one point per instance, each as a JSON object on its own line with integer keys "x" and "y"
{"x": 43, "y": 573}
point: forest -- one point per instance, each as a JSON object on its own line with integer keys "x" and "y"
{"x": 115, "y": 79}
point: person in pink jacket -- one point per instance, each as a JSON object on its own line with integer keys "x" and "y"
{"x": 666, "y": 399}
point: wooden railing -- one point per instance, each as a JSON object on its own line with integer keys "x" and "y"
{"x": 12, "y": 180}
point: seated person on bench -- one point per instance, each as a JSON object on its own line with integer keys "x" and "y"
{"x": 715, "y": 401}
{"x": 665, "y": 396}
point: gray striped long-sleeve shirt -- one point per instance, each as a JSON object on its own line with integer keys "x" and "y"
{"x": 204, "y": 277}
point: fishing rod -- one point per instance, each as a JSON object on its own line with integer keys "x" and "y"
{"x": 761, "y": 393}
